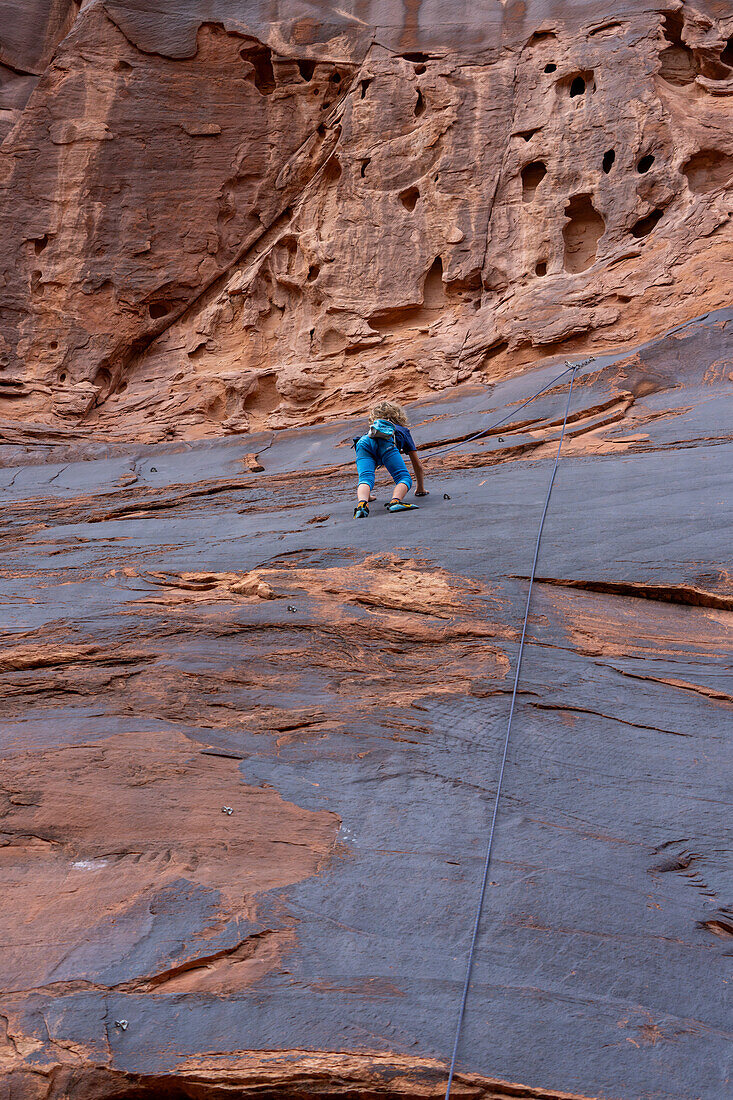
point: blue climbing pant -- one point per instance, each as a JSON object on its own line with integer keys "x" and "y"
{"x": 371, "y": 453}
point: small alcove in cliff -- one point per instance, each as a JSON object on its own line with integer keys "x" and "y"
{"x": 644, "y": 226}
{"x": 677, "y": 61}
{"x": 708, "y": 169}
{"x": 532, "y": 176}
{"x": 262, "y": 75}
{"x": 727, "y": 54}
{"x": 581, "y": 233}
{"x": 577, "y": 84}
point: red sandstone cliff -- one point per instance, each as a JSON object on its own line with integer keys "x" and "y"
{"x": 232, "y": 219}
{"x": 248, "y": 748}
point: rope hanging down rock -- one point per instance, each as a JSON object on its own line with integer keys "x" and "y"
{"x": 482, "y": 892}
{"x": 498, "y": 423}
{"x": 575, "y": 367}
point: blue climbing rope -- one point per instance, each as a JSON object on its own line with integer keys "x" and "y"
{"x": 573, "y": 368}
{"x": 510, "y": 415}
{"x": 484, "y": 880}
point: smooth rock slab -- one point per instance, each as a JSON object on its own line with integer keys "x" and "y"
{"x": 207, "y": 637}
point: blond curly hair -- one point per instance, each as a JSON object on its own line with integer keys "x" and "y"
{"x": 388, "y": 410}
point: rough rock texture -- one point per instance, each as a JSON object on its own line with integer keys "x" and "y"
{"x": 185, "y": 636}
{"x": 248, "y": 748}
{"x": 230, "y": 215}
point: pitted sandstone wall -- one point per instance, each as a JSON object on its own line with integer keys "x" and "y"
{"x": 225, "y": 217}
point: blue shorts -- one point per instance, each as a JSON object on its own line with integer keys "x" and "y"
{"x": 371, "y": 453}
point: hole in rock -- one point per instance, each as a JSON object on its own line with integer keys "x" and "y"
{"x": 707, "y": 170}
{"x": 418, "y": 58}
{"x": 532, "y": 176}
{"x": 40, "y": 243}
{"x": 582, "y": 233}
{"x": 528, "y": 134}
{"x": 727, "y": 55}
{"x": 541, "y": 36}
{"x": 315, "y": 91}
{"x": 123, "y": 66}
{"x": 645, "y": 163}
{"x": 62, "y": 376}
{"x": 53, "y": 345}
{"x": 306, "y": 69}
{"x": 673, "y": 25}
{"x": 260, "y": 58}
{"x": 264, "y": 399}
{"x": 551, "y": 68}
{"x": 420, "y": 69}
{"x": 364, "y": 165}
{"x": 433, "y": 296}
{"x": 493, "y": 350}
{"x": 103, "y": 383}
{"x": 608, "y": 159}
{"x": 158, "y": 310}
{"x": 541, "y": 268}
{"x": 577, "y": 86}
{"x": 409, "y": 197}
{"x": 198, "y": 352}
{"x": 332, "y": 171}
{"x": 419, "y": 105}
{"x": 605, "y": 28}
{"x": 335, "y": 78}
{"x": 364, "y": 85}
{"x": 677, "y": 62}
{"x": 313, "y": 272}
{"x": 645, "y": 225}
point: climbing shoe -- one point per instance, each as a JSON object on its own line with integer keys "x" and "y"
{"x": 401, "y": 506}
{"x": 362, "y": 510}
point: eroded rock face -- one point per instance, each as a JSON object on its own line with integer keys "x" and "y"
{"x": 29, "y": 35}
{"x": 220, "y": 220}
{"x": 248, "y": 748}
{"x": 195, "y": 627}
{"x": 162, "y": 826}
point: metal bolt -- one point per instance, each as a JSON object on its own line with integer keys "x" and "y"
{"x": 291, "y": 608}
{"x": 445, "y": 496}
{"x": 227, "y": 810}
{"x": 121, "y": 1024}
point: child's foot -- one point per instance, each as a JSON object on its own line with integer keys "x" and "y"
{"x": 362, "y": 510}
{"x": 396, "y": 505}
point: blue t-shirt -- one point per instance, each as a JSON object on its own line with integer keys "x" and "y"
{"x": 403, "y": 439}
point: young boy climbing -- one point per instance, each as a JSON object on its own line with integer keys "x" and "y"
{"x": 384, "y": 444}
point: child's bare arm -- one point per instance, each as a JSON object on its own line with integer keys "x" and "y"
{"x": 417, "y": 466}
